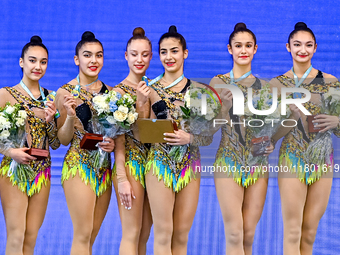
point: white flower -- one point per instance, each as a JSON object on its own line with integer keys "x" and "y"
{"x": 111, "y": 119}
{"x": 113, "y": 96}
{"x": 130, "y": 100}
{"x": 335, "y": 93}
{"x": 247, "y": 111}
{"x": 9, "y": 109}
{"x": 209, "y": 116}
{"x": 120, "y": 116}
{"x": 19, "y": 122}
{"x": 100, "y": 99}
{"x": 100, "y": 104}
{"x": 131, "y": 118}
{"x": 127, "y": 97}
{"x": 276, "y": 114}
{"x": 4, "y": 134}
{"x": 195, "y": 111}
{"x": 4, "y": 123}
{"x": 3, "y": 119}
{"x": 335, "y": 98}
{"x": 22, "y": 114}
{"x": 210, "y": 111}
{"x": 195, "y": 102}
{"x": 332, "y": 91}
{"x": 123, "y": 109}
{"x": 135, "y": 114}
{"x": 213, "y": 105}
{"x": 187, "y": 99}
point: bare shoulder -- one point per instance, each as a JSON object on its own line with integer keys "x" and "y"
{"x": 119, "y": 90}
{"x": 73, "y": 82}
{"x": 3, "y": 92}
{"x": 195, "y": 84}
{"x": 275, "y": 83}
{"x": 62, "y": 91}
{"x": 215, "y": 80}
{"x": 4, "y": 97}
{"x": 60, "y": 96}
{"x": 329, "y": 76}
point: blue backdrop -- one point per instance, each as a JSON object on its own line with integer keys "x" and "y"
{"x": 206, "y": 26}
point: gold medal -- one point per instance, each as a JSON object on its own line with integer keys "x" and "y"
{"x": 51, "y": 97}
{"x": 75, "y": 93}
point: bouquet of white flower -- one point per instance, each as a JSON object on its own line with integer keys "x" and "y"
{"x": 115, "y": 115}
{"x": 193, "y": 119}
{"x": 13, "y": 135}
{"x": 262, "y": 126}
{"x": 199, "y": 120}
{"x": 320, "y": 149}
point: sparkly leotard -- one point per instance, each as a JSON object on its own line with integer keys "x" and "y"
{"x": 234, "y": 149}
{"x": 41, "y": 134}
{"x": 296, "y": 142}
{"x": 78, "y": 160}
{"x": 176, "y": 175}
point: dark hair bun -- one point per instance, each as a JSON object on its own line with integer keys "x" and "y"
{"x": 300, "y": 25}
{"x": 172, "y": 30}
{"x": 138, "y": 31}
{"x": 240, "y": 26}
{"x": 36, "y": 39}
{"x": 88, "y": 35}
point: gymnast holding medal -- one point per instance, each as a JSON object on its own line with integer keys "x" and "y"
{"x": 24, "y": 194}
{"x": 87, "y": 190}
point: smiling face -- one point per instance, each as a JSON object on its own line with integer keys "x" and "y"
{"x": 172, "y": 55}
{"x": 302, "y": 47}
{"x": 90, "y": 59}
{"x": 138, "y": 56}
{"x": 34, "y": 63}
{"x": 242, "y": 48}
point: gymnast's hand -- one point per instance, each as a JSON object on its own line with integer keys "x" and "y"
{"x": 108, "y": 145}
{"x": 179, "y": 137}
{"x": 125, "y": 192}
{"x": 295, "y": 111}
{"x": 70, "y": 105}
{"x": 269, "y": 149}
{"x": 326, "y": 121}
{"x": 227, "y": 98}
{"x": 50, "y": 111}
{"x": 143, "y": 92}
{"x": 19, "y": 155}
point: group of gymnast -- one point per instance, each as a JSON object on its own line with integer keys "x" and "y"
{"x": 151, "y": 187}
